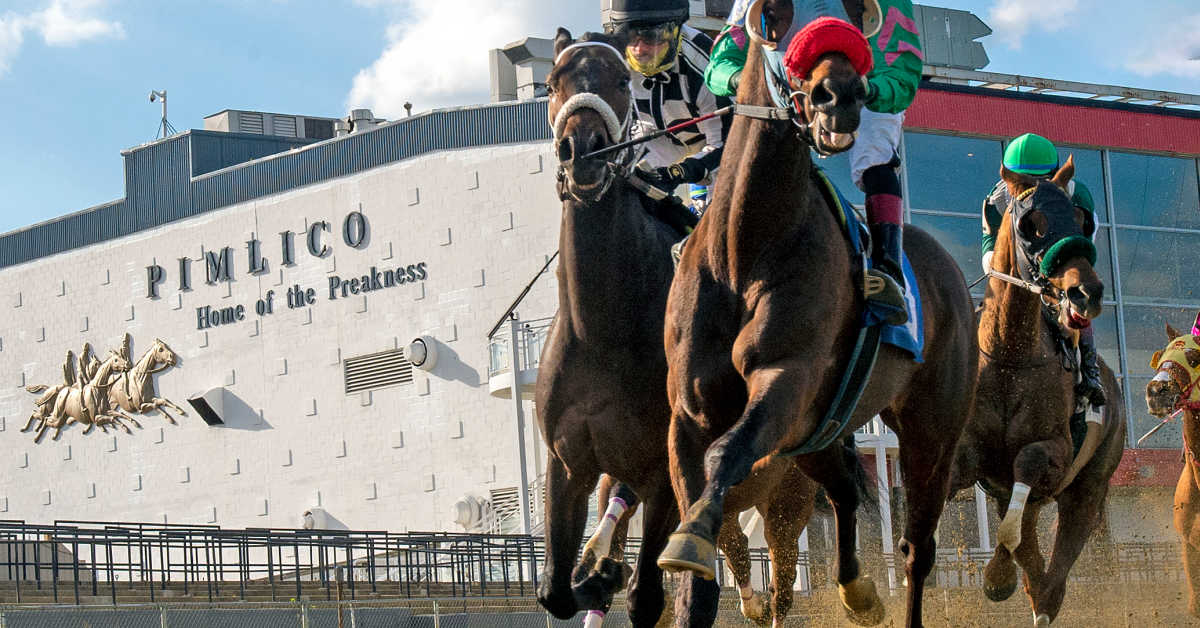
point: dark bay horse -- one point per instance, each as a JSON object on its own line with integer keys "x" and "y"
{"x": 1174, "y": 389}
{"x": 1018, "y": 445}
{"x": 601, "y": 397}
{"x": 763, "y": 315}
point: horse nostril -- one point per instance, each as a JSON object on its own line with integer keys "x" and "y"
{"x": 822, "y": 97}
{"x": 595, "y": 141}
{"x": 565, "y": 149}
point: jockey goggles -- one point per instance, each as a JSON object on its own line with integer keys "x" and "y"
{"x": 664, "y": 38}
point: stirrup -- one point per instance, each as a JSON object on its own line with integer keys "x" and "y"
{"x": 885, "y": 296}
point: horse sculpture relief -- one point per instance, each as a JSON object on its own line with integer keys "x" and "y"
{"x": 1175, "y": 389}
{"x": 99, "y": 393}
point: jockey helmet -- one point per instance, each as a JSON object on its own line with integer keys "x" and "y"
{"x": 1082, "y": 197}
{"x": 651, "y": 30}
{"x": 1031, "y": 154}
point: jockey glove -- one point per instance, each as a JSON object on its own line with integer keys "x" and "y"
{"x": 734, "y": 81}
{"x": 689, "y": 170}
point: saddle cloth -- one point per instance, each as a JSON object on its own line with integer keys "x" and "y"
{"x": 910, "y": 336}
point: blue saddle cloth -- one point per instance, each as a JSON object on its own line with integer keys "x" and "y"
{"x": 911, "y": 335}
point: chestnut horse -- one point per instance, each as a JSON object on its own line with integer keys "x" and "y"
{"x": 601, "y": 397}
{"x": 1018, "y": 445}
{"x": 763, "y": 315}
{"x": 1174, "y": 389}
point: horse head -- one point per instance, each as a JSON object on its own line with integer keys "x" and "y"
{"x": 821, "y": 77}
{"x": 160, "y": 353}
{"x": 591, "y": 107}
{"x": 1177, "y": 371}
{"x": 1052, "y": 243}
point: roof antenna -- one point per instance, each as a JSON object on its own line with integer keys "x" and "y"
{"x": 165, "y": 129}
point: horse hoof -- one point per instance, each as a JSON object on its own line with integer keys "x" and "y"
{"x": 557, "y": 604}
{"x": 595, "y": 589}
{"x": 755, "y": 609}
{"x": 689, "y": 552}
{"x": 1041, "y": 620}
{"x": 999, "y": 579}
{"x": 861, "y": 601}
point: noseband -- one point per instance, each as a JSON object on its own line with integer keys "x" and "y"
{"x": 616, "y": 128}
{"x": 1175, "y": 354}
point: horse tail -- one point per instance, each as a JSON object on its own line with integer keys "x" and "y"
{"x": 37, "y": 388}
{"x": 868, "y": 493}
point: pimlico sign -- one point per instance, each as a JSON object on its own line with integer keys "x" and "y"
{"x": 219, "y": 267}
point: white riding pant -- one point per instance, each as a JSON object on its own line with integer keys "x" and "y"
{"x": 878, "y": 142}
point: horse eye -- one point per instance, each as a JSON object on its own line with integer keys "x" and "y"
{"x": 1033, "y": 225}
{"x": 1193, "y": 357}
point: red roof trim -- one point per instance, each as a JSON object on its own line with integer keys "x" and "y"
{"x": 974, "y": 113}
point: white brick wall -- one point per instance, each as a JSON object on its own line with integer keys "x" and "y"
{"x": 502, "y": 219}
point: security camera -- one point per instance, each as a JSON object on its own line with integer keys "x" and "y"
{"x": 153, "y": 96}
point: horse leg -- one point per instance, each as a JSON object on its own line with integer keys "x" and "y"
{"x": 1029, "y": 556}
{"x": 787, "y": 514}
{"x": 172, "y": 406}
{"x": 646, "y": 594}
{"x": 1078, "y": 513}
{"x": 598, "y": 576}
{"x": 1187, "y": 524}
{"x": 773, "y": 394}
{"x": 1037, "y": 467}
{"x": 566, "y": 515}
{"x": 164, "y": 413}
{"x": 736, "y": 548}
{"x": 929, "y": 436}
{"x": 839, "y": 471}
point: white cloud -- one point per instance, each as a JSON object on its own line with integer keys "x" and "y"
{"x": 11, "y": 36}
{"x": 1175, "y": 51}
{"x": 61, "y": 23}
{"x": 67, "y": 22}
{"x": 436, "y": 51}
{"x": 1011, "y": 20}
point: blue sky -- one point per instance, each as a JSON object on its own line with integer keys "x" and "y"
{"x": 75, "y": 74}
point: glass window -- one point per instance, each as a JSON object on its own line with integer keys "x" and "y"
{"x": 1155, "y": 191}
{"x": 1145, "y": 333}
{"x": 1090, "y": 170}
{"x": 1105, "y": 329}
{"x": 1158, "y": 265}
{"x": 1103, "y": 241}
{"x": 837, "y": 167}
{"x": 950, "y": 173}
{"x": 1141, "y": 421}
{"x": 960, "y": 236}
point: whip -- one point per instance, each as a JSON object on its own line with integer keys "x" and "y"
{"x": 646, "y": 138}
{"x": 1161, "y": 425}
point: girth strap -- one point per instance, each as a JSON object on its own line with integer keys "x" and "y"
{"x": 850, "y": 390}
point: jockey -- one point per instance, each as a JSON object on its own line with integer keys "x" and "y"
{"x": 875, "y": 156}
{"x": 1034, "y": 155}
{"x": 667, "y": 59}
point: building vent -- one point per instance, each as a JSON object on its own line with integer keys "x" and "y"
{"x": 506, "y": 511}
{"x": 377, "y": 370}
{"x": 285, "y": 126}
{"x": 251, "y": 122}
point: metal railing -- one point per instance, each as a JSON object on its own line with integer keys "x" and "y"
{"x": 529, "y": 344}
{"x": 118, "y": 562}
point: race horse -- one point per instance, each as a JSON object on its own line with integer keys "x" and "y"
{"x": 1019, "y": 444}
{"x": 601, "y": 389}
{"x": 85, "y": 401}
{"x": 1174, "y": 391}
{"x": 763, "y": 316}
{"x": 133, "y": 391}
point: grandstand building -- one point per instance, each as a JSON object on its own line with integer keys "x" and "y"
{"x": 346, "y": 300}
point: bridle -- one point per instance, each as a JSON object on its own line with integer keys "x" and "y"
{"x": 1174, "y": 355}
{"x": 1031, "y": 277}
{"x": 617, "y": 129}
{"x": 788, "y": 101}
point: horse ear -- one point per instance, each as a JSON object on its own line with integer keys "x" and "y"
{"x": 1172, "y": 333}
{"x": 1016, "y": 181}
{"x": 1065, "y": 173}
{"x": 1156, "y": 359}
{"x": 562, "y": 39}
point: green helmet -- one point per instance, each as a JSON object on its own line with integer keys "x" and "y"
{"x": 1082, "y": 197}
{"x": 1031, "y": 154}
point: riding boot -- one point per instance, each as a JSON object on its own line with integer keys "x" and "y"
{"x": 1090, "y": 386}
{"x": 885, "y": 281}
